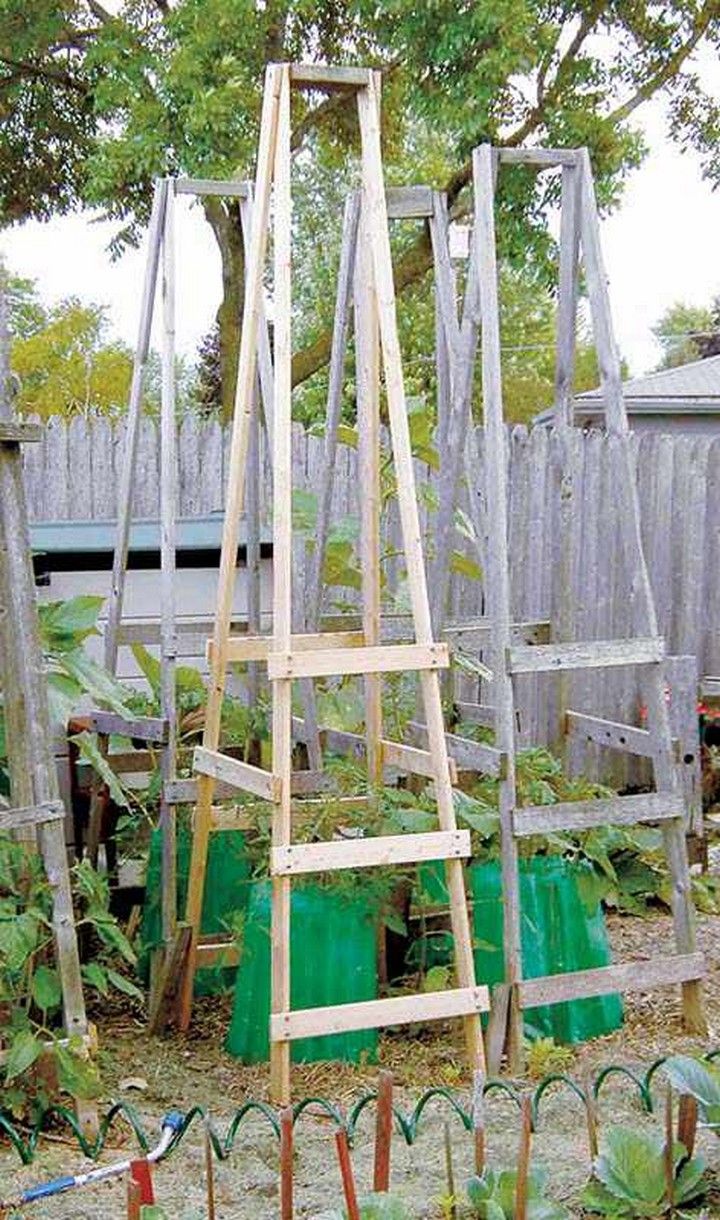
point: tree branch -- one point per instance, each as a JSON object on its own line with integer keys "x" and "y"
{"x": 670, "y": 68}
{"x": 46, "y": 72}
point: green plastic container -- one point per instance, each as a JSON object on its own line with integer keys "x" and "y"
{"x": 558, "y": 932}
{"x": 333, "y": 961}
{"x": 227, "y": 889}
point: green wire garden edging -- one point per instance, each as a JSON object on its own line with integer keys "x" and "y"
{"x": 408, "y": 1122}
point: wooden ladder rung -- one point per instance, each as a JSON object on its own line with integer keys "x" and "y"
{"x": 228, "y": 189}
{"x": 237, "y": 774}
{"x": 379, "y": 659}
{"x": 627, "y": 976}
{"x": 610, "y": 811}
{"x": 369, "y": 853}
{"x": 147, "y": 728}
{"x": 466, "y": 754}
{"x": 33, "y": 815}
{"x": 611, "y": 733}
{"x": 378, "y": 1014}
{"x": 590, "y": 654}
{"x": 327, "y": 78}
{"x": 258, "y": 647}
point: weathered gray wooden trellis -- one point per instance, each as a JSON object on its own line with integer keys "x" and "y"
{"x": 645, "y": 648}
{"x": 315, "y": 654}
{"x": 39, "y": 815}
{"x": 164, "y": 730}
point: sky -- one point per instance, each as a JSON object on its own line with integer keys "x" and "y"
{"x": 660, "y": 247}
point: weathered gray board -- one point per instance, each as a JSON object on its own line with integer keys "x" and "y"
{"x": 73, "y": 474}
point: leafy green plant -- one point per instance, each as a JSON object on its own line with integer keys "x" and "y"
{"x": 492, "y": 1196}
{"x": 544, "y": 1056}
{"x": 30, "y": 992}
{"x": 379, "y": 1207}
{"x": 701, "y": 1079}
{"x": 631, "y": 1176}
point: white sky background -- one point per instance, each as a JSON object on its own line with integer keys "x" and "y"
{"x": 661, "y": 246}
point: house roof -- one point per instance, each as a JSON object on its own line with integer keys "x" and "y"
{"x": 694, "y": 383}
{"x": 692, "y": 389}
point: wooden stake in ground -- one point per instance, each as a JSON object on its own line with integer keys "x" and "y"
{"x": 347, "y": 1175}
{"x": 383, "y": 1133}
{"x": 31, "y": 765}
{"x": 286, "y": 1163}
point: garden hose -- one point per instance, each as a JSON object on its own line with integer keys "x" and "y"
{"x": 171, "y": 1125}
{"x": 175, "y": 1126}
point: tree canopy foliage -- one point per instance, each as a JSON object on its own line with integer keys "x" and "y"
{"x": 96, "y": 102}
{"x": 688, "y": 332}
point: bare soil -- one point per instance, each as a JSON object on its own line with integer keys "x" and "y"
{"x": 178, "y": 1073}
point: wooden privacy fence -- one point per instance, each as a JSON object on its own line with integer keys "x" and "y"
{"x": 74, "y": 473}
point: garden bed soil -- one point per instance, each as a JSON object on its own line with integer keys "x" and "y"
{"x": 183, "y": 1072}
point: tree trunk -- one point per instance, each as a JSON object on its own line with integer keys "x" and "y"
{"x": 225, "y": 224}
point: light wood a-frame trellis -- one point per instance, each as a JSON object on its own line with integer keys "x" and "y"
{"x": 288, "y": 656}
{"x": 645, "y": 649}
{"x": 39, "y": 816}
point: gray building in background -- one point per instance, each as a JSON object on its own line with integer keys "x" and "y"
{"x": 681, "y": 400}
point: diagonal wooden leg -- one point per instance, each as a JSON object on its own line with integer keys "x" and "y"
{"x": 234, "y": 501}
{"x": 376, "y": 213}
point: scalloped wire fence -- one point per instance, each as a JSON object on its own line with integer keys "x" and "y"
{"x": 407, "y": 1122}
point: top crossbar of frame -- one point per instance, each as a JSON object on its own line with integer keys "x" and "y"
{"x": 328, "y": 79}
{"x": 230, "y": 189}
{"x": 544, "y": 157}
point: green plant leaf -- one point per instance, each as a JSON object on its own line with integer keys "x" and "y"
{"x": 631, "y": 1166}
{"x": 77, "y": 1074}
{"x": 149, "y": 666}
{"x": 124, "y": 984}
{"x": 46, "y": 990}
{"x": 700, "y": 1079}
{"x": 73, "y": 620}
{"x": 96, "y": 976}
{"x": 24, "y": 1049}
{"x": 96, "y": 681}
{"x": 88, "y": 747}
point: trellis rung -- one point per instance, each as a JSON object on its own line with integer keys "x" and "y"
{"x": 369, "y": 853}
{"x": 611, "y": 811}
{"x": 627, "y": 976}
{"x": 389, "y": 658}
{"x": 591, "y": 654}
{"x": 378, "y": 1014}
{"x": 238, "y": 774}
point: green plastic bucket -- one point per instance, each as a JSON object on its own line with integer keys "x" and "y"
{"x": 227, "y": 889}
{"x": 332, "y": 961}
{"x": 559, "y": 932}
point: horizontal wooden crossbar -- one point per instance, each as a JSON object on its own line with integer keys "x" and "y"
{"x": 13, "y": 431}
{"x": 627, "y": 976}
{"x": 259, "y": 647}
{"x": 378, "y": 1014}
{"x": 409, "y": 202}
{"x": 395, "y": 753}
{"x": 477, "y": 633}
{"x": 369, "y": 853}
{"x": 389, "y": 658}
{"x": 625, "y": 737}
{"x": 546, "y": 157}
{"x": 467, "y": 755}
{"x": 227, "y": 188}
{"x": 147, "y": 728}
{"x": 610, "y": 811}
{"x": 33, "y": 815}
{"x": 328, "y": 79}
{"x": 592, "y": 654}
{"x": 237, "y": 774}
